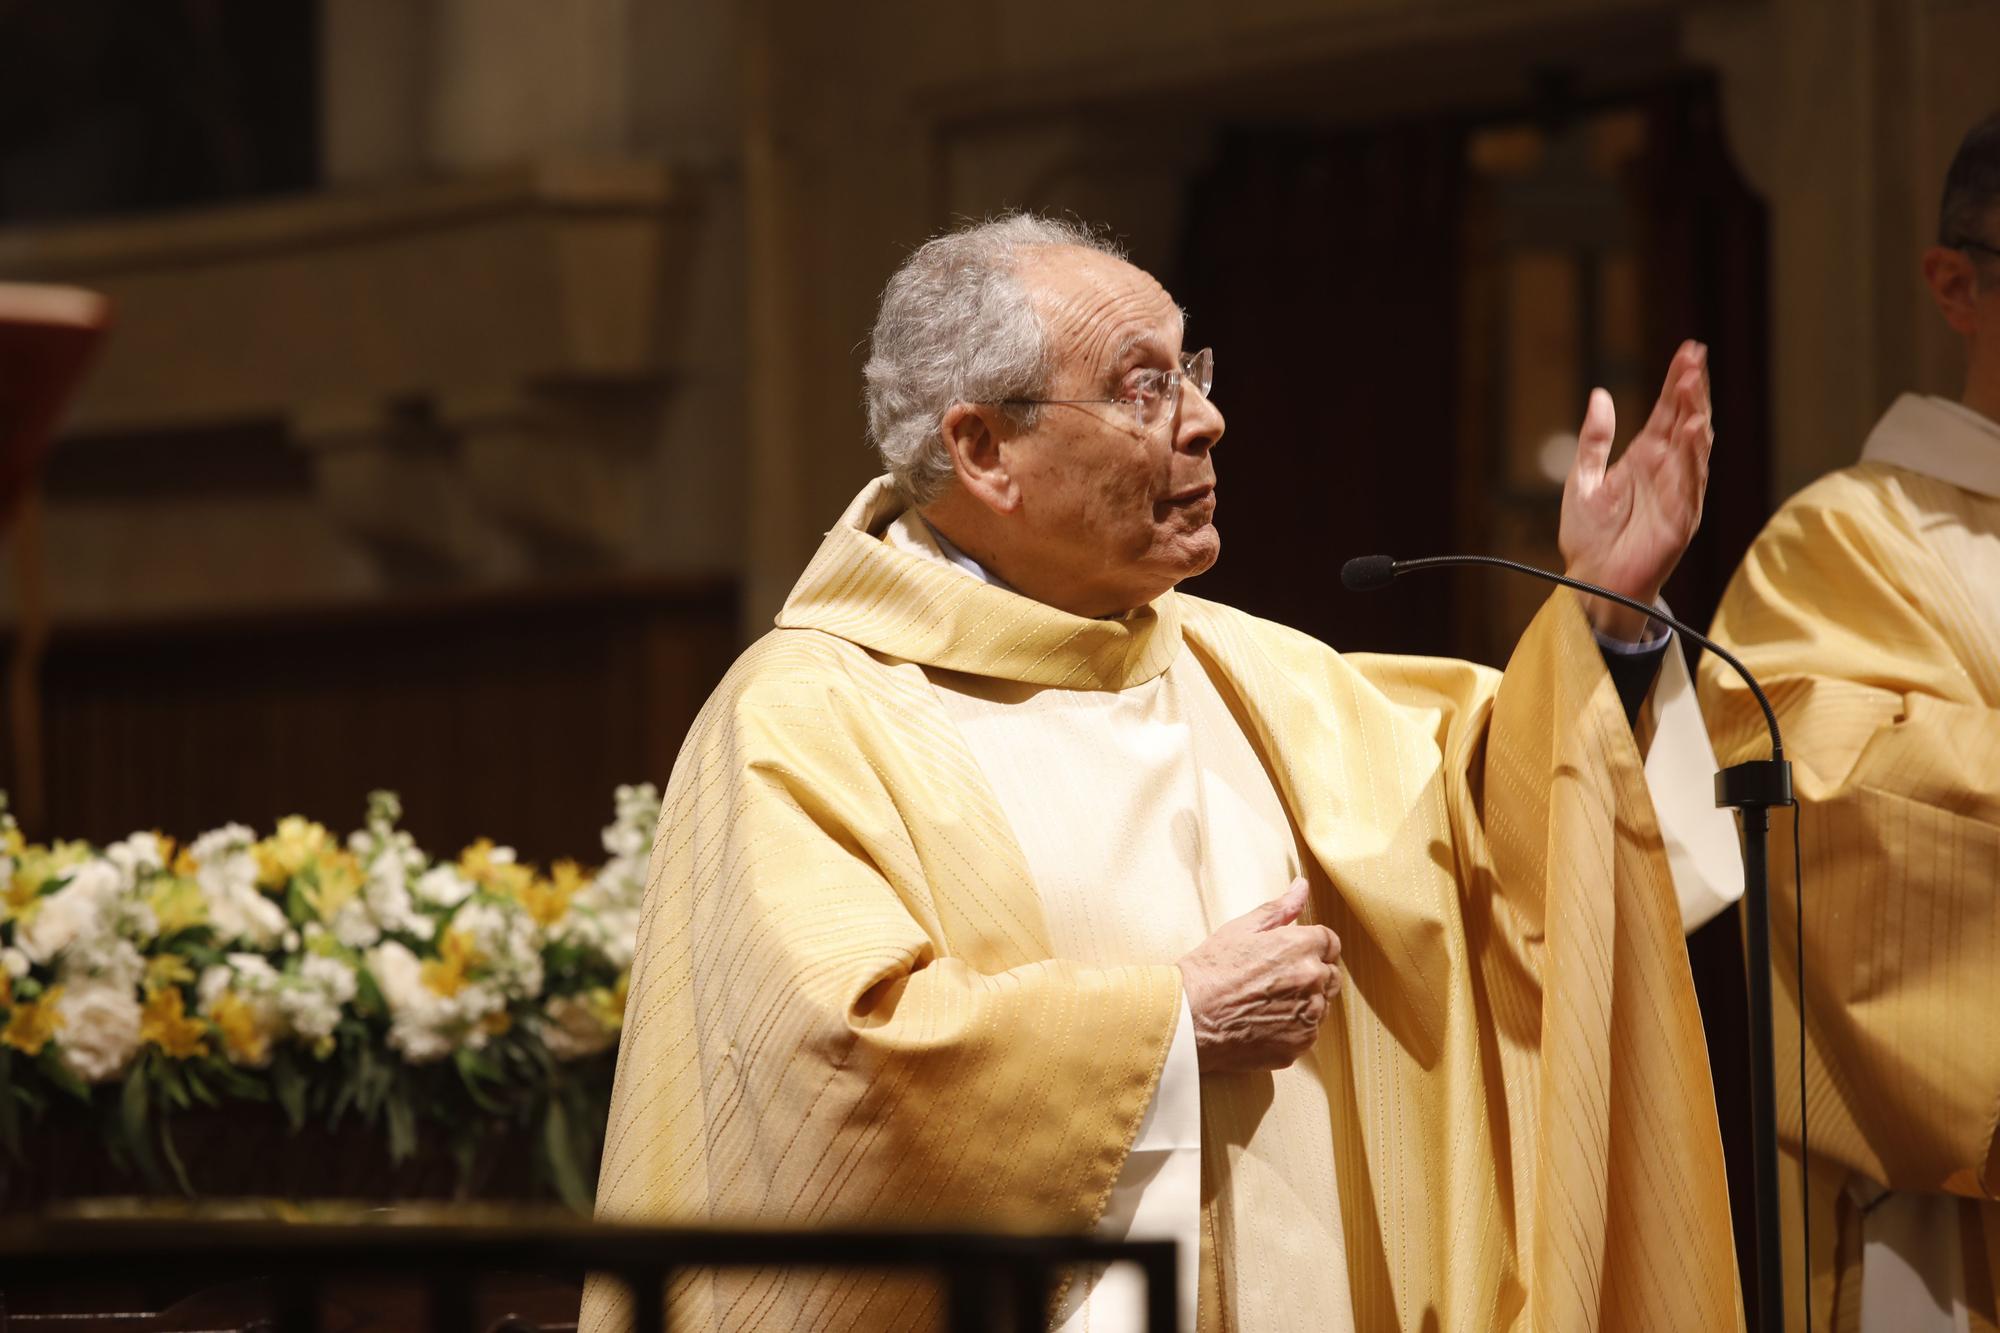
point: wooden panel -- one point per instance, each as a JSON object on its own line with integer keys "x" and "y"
{"x": 506, "y": 715}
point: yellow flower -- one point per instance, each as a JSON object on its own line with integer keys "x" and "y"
{"x": 10, "y": 841}
{"x": 35, "y": 867}
{"x": 32, "y": 1024}
{"x": 177, "y": 902}
{"x": 446, "y": 974}
{"x": 164, "y": 1021}
{"x": 337, "y": 882}
{"x": 494, "y": 874}
{"x": 547, "y": 900}
{"x": 167, "y": 969}
{"x": 497, "y": 1023}
{"x": 184, "y": 864}
{"x": 243, "y": 1037}
{"x": 607, "y": 1004}
{"x": 16, "y": 895}
{"x": 285, "y": 853}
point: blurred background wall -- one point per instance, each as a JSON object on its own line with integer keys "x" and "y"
{"x": 485, "y": 370}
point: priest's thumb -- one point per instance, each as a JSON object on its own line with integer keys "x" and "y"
{"x": 1285, "y": 908}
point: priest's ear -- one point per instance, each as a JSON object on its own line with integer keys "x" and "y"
{"x": 1953, "y": 277}
{"x": 973, "y": 432}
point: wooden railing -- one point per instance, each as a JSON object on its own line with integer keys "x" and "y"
{"x": 990, "y": 1282}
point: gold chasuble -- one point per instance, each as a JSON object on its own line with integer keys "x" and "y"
{"x": 1869, "y": 609}
{"x": 848, "y": 1008}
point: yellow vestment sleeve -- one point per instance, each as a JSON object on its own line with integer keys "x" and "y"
{"x": 812, "y": 1038}
{"x": 1527, "y": 1136}
{"x": 1846, "y": 617}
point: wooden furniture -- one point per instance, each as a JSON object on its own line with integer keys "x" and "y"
{"x": 317, "y": 1272}
{"x": 507, "y": 714}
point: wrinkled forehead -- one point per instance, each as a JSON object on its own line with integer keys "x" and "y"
{"x": 1100, "y": 310}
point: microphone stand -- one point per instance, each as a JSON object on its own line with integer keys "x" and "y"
{"x": 1751, "y": 789}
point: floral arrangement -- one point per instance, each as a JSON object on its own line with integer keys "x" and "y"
{"x": 359, "y": 979}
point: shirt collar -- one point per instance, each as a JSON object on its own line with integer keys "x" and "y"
{"x": 1938, "y": 438}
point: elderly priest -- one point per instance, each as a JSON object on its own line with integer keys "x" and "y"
{"x": 1002, "y": 885}
{"x": 1870, "y": 609}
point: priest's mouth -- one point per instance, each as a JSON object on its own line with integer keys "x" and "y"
{"x": 1193, "y": 496}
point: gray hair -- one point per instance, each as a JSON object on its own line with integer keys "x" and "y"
{"x": 957, "y": 325}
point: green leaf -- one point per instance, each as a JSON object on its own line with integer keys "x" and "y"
{"x": 402, "y": 1117}
{"x": 289, "y": 1086}
{"x": 465, "y": 1154}
{"x": 135, "y": 1108}
{"x": 239, "y": 1083}
{"x": 474, "y": 1070}
{"x": 10, "y": 1110}
{"x": 560, "y": 1155}
{"x": 367, "y": 995}
{"x": 58, "y": 1073}
{"x": 171, "y": 1086}
{"x": 173, "y": 1156}
{"x": 197, "y": 1086}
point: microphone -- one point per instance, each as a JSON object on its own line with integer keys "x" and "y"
{"x": 1366, "y": 573}
{"x": 1751, "y": 789}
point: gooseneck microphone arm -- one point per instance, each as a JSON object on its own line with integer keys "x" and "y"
{"x": 1366, "y": 573}
{"x": 1751, "y": 789}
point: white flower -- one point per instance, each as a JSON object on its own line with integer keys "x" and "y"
{"x": 573, "y": 1031}
{"x": 100, "y": 1030}
{"x": 418, "y": 1016}
{"x": 353, "y": 925}
{"x": 507, "y": 939}
{"x": 623, "y": 840}
{"x": 103, "y": 959}
{"x": 15, "y": 962}
{"x": 138, "y": 855}
{"x": 630, "y": 835}
{"x": 84, "y": 907}
{"x": 226, "y": 870}
{"x": 253, "y": 972}
{"x": 312, "y": 1000}
{"x": 423, "y": 1024}
{"x": 330, "y": 975}
{"x": 443, "y": 886}
{"x": 388, "y": 888}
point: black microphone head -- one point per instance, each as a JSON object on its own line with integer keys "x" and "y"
{"x": 1366, "y": 573}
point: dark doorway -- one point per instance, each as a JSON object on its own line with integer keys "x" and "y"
{"x": 1323, "y": 269}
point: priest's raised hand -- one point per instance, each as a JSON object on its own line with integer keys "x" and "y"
{"x": 1626, "y": 524}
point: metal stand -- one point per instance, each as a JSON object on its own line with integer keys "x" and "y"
{"x": 1752, "y": 789}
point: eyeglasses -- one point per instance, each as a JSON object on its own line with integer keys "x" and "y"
{"x": 1967, "y": 243}
{"x": 1152, "y": 395}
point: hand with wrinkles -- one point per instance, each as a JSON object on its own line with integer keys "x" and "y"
{"x": 1259, "y": 986}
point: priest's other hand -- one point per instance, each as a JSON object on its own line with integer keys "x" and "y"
{"x": 1626, "y": 525}
{"x": 1259, "y": 986}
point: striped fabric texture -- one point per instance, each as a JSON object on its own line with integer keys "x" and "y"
{"x": 1869, "y": 609}
{"x": 845, "y": 1009}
